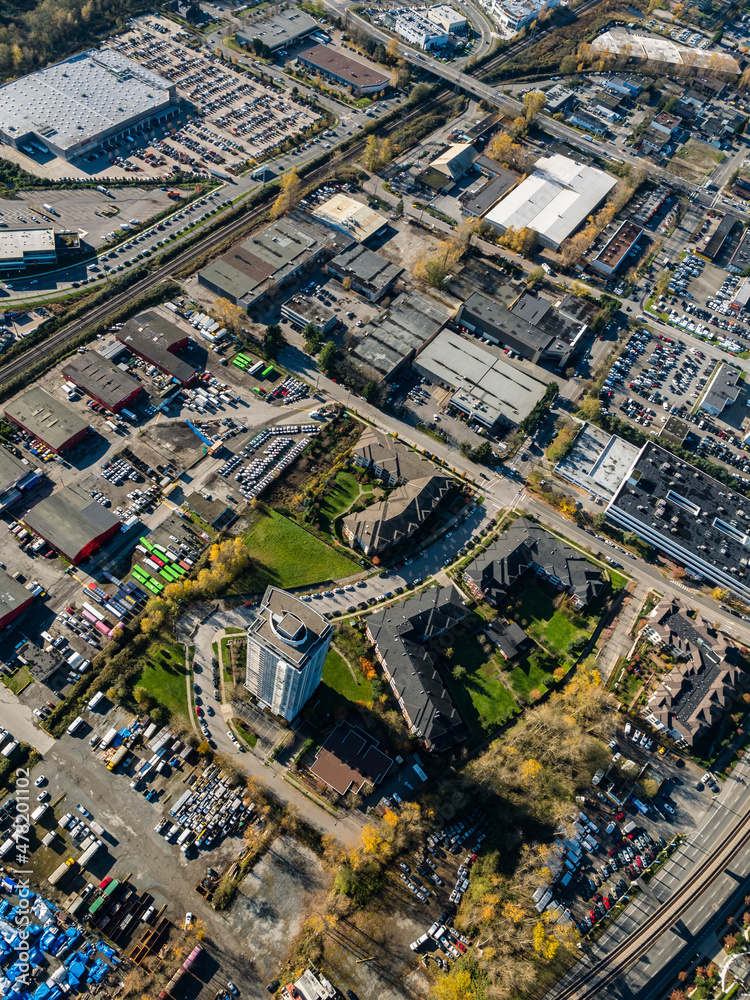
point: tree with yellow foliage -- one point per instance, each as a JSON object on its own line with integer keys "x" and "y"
{"x": 531, "y": 769}
{"x": 513, "y": 912}
{"x": 229, "y": 315}
{"x": 533, "y": 103}
{"x": 456, "y": 985}
{"x": 289, "y": 195}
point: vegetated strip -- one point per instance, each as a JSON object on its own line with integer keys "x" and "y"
{"x": 18, "y": 372}
{"x": 635, "y": 947}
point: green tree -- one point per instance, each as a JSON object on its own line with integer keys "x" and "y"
{"x": 368, "y": 391}
{"x": 313, "y": 338}
{"x": 482, "y": 453}
{"x": 535, "y": 277}
{"x": 273, "y": 341}
{"x": 327, "y": 357}
{"x": 419, "y": 93}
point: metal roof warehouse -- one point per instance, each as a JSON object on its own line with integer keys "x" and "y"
{"x": 72, "y": 522}
{"x": 49, "y": 420}
{"x": 103, "y": 381}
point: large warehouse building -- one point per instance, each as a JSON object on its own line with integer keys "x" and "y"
{"x": 271, "y": 257}
{"x": 554, "y": 200}
{"x": 488, "y": 388}
{"x": 22, "y": 248}
{"x": 76, "y": 105}
{"x": 14, "y": 598}
{"x": 72, "y": 522}
{"x": 103, "y": 381}
{"x": 47, "y": 419}
{"x": 155, "y": 339}
{"x": 279, "y": 30}
{"x": 335, "y": 66}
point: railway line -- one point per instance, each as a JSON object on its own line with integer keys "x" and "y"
{"x": 100, "y": 313}
{"x": 592, "y": 982}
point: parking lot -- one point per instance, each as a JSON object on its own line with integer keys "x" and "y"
{"x": 240, "y": 117}
{"x": 659, "y": 377}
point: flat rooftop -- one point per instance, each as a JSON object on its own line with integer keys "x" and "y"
{"x": 368, "y": 266}
{"x": 554, "y": 200}
{"x": 310, "y": 311}
{"x": 76, "y": 100}
{"x": 398, "y": 332}
{"x": 12, "y": 470}
{"x": 723, "y": 388}
{"x": 13, "y": 595}
{"x": 98, "y": 377}
{"x": 154, "y": 337}
{"x": 45, "y": 417}
{"x": 687, "y": 513}
{"x": 612, "y": 255}
{"x": 15, "y": 243}
{"x": 288, "y": 626}
{"x": 280, "y": 29}
{"x": 350, "y": 216}
{"x": 486, "y": 386}
{"x": 597, "y": 461}
{"x": 350, "y": 71}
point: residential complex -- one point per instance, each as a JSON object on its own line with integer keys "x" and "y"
{"x": 525, "y": 550}
{"x": 384, "y": 526}
{"x": 401, "y": 635}
{"x": 287, "y": 644}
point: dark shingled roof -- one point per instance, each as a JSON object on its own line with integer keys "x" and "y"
{"x": 396, "y": 519}
{"x": 399, "y": 634}
{"x": 524, "y": 546}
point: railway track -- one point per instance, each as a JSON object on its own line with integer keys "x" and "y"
{"x": 592, "y": 982}
{"x": 502, "y": 57}
{"x": 100, "y": 313}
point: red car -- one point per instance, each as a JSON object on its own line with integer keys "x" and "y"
{"x": 607, "y": 903}
{"x": 620, "y": 817}
{"x": 198, "y": 710}
{"x": 594, "y": 916}
{"x": 105, "y": 882}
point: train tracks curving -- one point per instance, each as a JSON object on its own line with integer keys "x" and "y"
{"x": 99, "y": 314}
{"x": 622, "y": 956}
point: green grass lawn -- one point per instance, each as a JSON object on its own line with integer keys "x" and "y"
{"x": 535, "y": 612}
{"x": 527, "y": 677}
{"x": 285, "y": 555}
{"x": 342, "y": 495}
{"x": 483, "y": 699}
{"x": 338, "y": 677}
{"x": 19, "y": 680}
{"x": 163, "y": 676}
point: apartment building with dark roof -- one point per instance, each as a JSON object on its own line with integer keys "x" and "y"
{"x": 402, "y": 635}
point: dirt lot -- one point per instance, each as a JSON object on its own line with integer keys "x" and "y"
{"x": 696, "y": 160}
{"x": 274, "y": 901}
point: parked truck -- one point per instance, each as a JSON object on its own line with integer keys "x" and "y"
{"x": 58, "y": 873}
{"x": 117, "y": 757}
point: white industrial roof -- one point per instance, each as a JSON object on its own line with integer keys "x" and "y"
{"x": 77, "y": 99}
{"x": 14, "y": 243}
{"x": 350, "y": 216}
{"x": 554, "y": 200}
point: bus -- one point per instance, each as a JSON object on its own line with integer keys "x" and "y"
{"x": 268, "y": 371}
{"x": 258, "y": 367}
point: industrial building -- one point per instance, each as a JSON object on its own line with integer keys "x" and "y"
{"x": 532, "y": 327}
{"x": 24, "y": 248}
{"x": 14, "y": 598}
{"x": 280, "y": 30}
{"x": 713, "y": 244}
{"x": 16, "y": 476}
{"x": 47, "y": 419}
{"x": 350, "y": 217}
{"x": 597, "y": 461}
{"x": 397, "y": 334}
{"x": 72, "y": 522}
{"x": 416, "y": 28}
{"x": 302, "y": 310}
{"x": 487, "y": 387}
{"x": 287, "y": 644}
{"x": 524, "y": 551}
{"x": 370, "y": 274}
{"x": 385, "y": 526}
{"x": 688, "y": 515}
{"x": 722, "y": 390}
{"x": 741, "y": 256}
{"x": 339, "y": 68}
{"x": 272, "y": 257}
{"x": 156, "y": 339}
{"x": 516, "y": 14}
{"x": 486, "y": 191}
{"x": 554, "y": 200}
{"x": 447, "y": 18}
{"x": 616, "y": 251}
{"x": 402, "y": 636}
{"x": 82, "y": 103}
{"x": 99, "y": 378}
